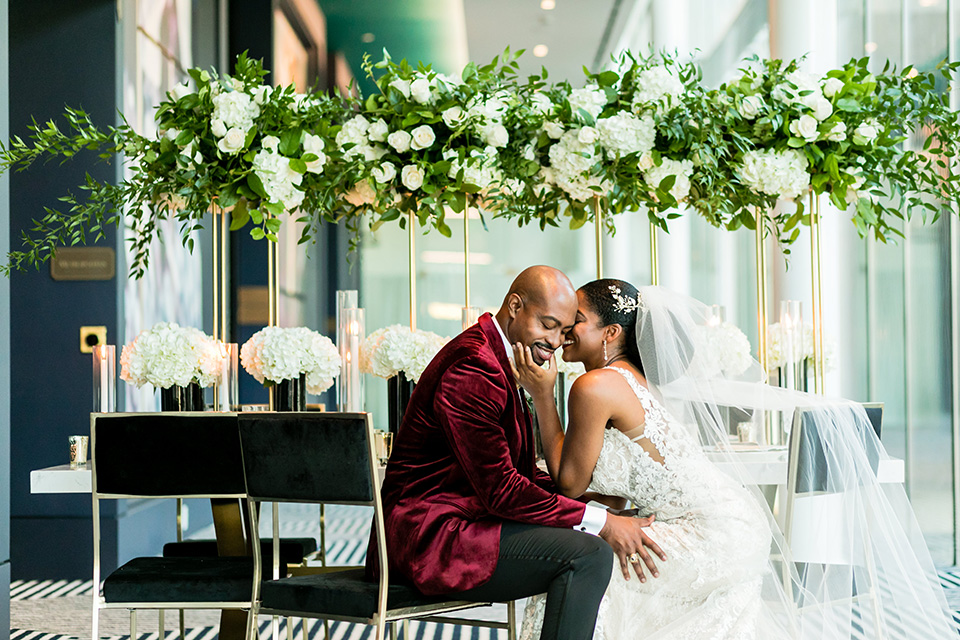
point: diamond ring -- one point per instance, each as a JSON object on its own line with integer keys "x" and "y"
{"x": 634, "y": 557}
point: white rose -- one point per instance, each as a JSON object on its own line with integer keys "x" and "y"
{"x": 402, "y": 86}
{"x": 541, "y": 103}
{"x": 233, "y": 141}
{"x": 823, "y": 109}
{"x": 420, "y": 90}
{"x": 838, "y": 133}
{"x": 260, "y": 94}
{"x": 271, "y": 143}
{"x": 412, "y": 177}
{"x": 422, "y": 137}
{"x": 218, "y": 128}
{"x": 866, "y": 132}
{"x": 181, "y": 91}
{"x": 496, "y": 135}
{"x": 645, "y": 162}
{"x": 384, "y": 173}
{"x": 805, "y": 127}
{"x": 831, "y": 86}
{"x": 316, "y": 166}
{"x": 553, "y": 129}
{"x": 750, "y": 107}
{"x": 312, "y": 144}
{"x": 378, "y": 131}
{"x": 400, "y": 141}
{"x": 452, "y": 117}
{"x": 587, "y": 135}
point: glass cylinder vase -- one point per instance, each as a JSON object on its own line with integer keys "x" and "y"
{"x": 350, "y": 332}
{"x": 178, "y": 398}
{"x": 104, "y": 378}
{"x": 228, "y": 398}
{"x": 291, "y": 395}
{"x": 399, "y": 390}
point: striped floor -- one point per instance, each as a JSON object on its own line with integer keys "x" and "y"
{"x": 347, "y": 531}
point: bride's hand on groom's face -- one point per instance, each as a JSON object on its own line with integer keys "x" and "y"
{"x": 534, "y": 378}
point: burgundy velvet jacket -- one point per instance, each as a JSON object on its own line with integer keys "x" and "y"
{"x": 462, "y": 462}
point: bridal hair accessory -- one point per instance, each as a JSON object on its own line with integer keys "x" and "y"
{"x": 624, "y": 303}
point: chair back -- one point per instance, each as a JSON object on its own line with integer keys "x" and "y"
{"x": 167, "y": 454}
{"x": 309, "y": 457}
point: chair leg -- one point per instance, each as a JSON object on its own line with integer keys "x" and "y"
{"x": 289, "y": 627}
{"x": 275, "y": 624}
{"x": 326, "y": 629}
{"x": 133, "y": 624}
{"x": 381, "y": 628}
{"x": 511, "y": 620}
{"x": 252, "y": 627}
{"x": 393, "y": 630}
{"x": 161, "y": 631}
{"x": 183, "y": 626}
{"x": 95, "y": 628}
{"x": 406, "y": 629}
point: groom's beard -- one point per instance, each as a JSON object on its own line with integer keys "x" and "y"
{"x": 541, "y": 352}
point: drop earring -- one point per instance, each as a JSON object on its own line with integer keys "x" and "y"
{"x": 604, "y": 352}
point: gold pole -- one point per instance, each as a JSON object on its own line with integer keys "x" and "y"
{"x": 598, "y": 227}
{"x": 466, "y": 253}
{"x": 761, "y": 293}
{"x": 215, "y": 264}
{"x": 224, "y": 230}
{"x": 816, "y": 281}
{"x": 413, "y": 271}
{"x": 654, "y": 256}
{"x": 273, "y": 299}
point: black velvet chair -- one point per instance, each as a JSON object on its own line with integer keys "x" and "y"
{"x": 167, "y": 455}
{"x": 330, "y": 458}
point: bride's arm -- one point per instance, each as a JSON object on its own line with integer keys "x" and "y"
{"x": 570, "y": 457}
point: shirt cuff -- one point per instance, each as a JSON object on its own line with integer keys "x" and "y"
{"x": 594, "y": 518}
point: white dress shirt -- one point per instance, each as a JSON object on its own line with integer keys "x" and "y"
{"x": 594, "y": 518}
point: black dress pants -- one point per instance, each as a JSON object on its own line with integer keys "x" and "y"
{"x": 571, "y": 567}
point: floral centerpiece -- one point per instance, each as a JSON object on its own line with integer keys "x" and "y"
{"x": 225, "y": 141}
{"x": 428, "y": 140}
{"x": 388, "y": 351}
{"x": 570, "y": 370}
{"x": 276, "y": 354}
{"x": 841, "y": 135}
{"x": 168, "y": 355}
{"x": 726, "y": 349}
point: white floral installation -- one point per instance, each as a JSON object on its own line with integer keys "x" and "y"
{"x": 274, "y": 354}
{"x": 777, "y": 348}
{"x": 388, "y": 351}
{"x": 726, "y": 348}
{"x": 168, "y": 354}
{"x": 570, "y": 370}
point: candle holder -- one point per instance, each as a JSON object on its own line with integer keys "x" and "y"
{"x": 791, "y": 331}
{"x": 104, "y": 378}
{"x": 718, "y": 315}
{"x": 346, "y": 299}
{"x": 469, "y": 316}
{"x": 228, "y": 398}
{"x": 350, "y": 332}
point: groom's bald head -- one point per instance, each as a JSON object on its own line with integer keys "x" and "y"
{"x": 538, "y": 310}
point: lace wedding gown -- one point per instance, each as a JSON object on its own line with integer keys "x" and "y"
{"x": 715, "y": 535}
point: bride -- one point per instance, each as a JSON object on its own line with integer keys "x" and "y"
{"x": 651, "y": 401}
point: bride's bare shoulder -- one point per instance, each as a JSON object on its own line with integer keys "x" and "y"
{"x": 598, "y": 383}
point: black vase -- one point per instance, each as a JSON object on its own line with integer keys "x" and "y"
{"x": 177, "y": 398}
{"x": 291, "y": 395}
{"x": 399, "y": 390}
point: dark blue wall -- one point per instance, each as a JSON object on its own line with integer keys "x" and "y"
{"x": 4, "y": 347}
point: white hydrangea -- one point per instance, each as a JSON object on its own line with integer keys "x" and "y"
{"x": 682, "y": 169}
{"x": 570, "y": 161}
{"x": 168, "y": 355}
{"x": 279, "y": 180}
{"x": 480, "y": 169}
{"x": 725, "y": 349}
{"x": 570, "y": 370}
{"x": 275, "y": 353}
{"x": 776, "y": 173}
{"x": 655, "y": 84}
{"x": 591, "y": 99}
{"x": 235, "y": 109}
{"x": 625, "y": 133}
{"x": 388, "y": 351}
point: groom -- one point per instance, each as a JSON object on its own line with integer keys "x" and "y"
{"x": 467, "y": 512}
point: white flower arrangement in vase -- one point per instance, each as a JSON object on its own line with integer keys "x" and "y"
{"x": 388, "y": 351}
{"x": 726, "y": 349}
{"x": 274, "y": 354}
{"x": 570, "y": 370}
{"x": 168, "y": 354}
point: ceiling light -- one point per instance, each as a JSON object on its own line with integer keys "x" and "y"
{"x": 540, "y": 50}
{"x": 368, "y": 37}
{"x": 548, "y": 5}
{"x": 870, "y": 47}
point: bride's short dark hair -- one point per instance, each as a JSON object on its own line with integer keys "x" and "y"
{"x": 601, "y": 298}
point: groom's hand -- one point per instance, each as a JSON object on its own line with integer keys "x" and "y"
{"x": 627, "y": 537}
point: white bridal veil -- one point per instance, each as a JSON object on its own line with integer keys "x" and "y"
{"x": 848, "y": 559}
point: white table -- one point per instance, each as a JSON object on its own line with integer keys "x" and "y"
{"x": 61, "y": 479}
{"x": 769, "y": 466}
